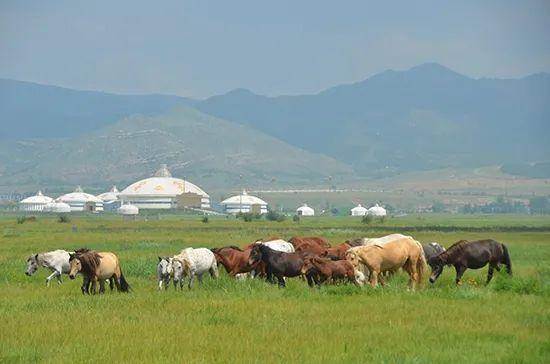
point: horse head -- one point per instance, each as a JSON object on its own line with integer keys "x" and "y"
{"x": 255, "y": 254}
{"x": 32, "y": 264}
{"x": 353, "y": 258}
{"x": 165, "y": 266}
{"x": 75, "y": 266}
{"x": 437, "y": 263}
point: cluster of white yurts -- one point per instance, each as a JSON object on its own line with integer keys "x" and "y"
{"x": 161, "y": 191}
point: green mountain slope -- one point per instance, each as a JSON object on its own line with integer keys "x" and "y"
{"x": 202, "y": 148}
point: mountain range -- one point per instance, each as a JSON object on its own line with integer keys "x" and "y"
{"x": 424, "y": 118}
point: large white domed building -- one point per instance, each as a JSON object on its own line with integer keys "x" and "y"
{"x": 35, "y": 203}
{"x": 81, "y": 201}
{"x": 244, "y": 203}
{"x": 162, "y": 191}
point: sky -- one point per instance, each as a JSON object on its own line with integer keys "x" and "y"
{"x": 202, "y": 48}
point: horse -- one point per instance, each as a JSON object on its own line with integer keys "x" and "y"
{"x": 338, "y": 251}
{"x": 296, "y": 241}
{"x": 277, "y": 245}
{"x": 194, "y": 262}
{"x": 235, "y": 260}
{"x": 431, "y": 250}
{"x": 97, "y": 267}
{"x": 327, "y": 269}
{"x": 56, "y": 261}
{"x": 278, "y": 264}
{"x": 164, "y": 271}
{"x": 474, "y": 255}
{"x": 403, "y": 253}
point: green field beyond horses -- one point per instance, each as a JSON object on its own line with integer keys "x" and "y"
{"x": 252, "y": 321}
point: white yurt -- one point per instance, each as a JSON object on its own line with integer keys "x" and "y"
{"x": 110, "y": 199}
{"x": 162, "y": 191}
{"x": 305, "y": 210}
{"x": 35, "y": 203}
{"x": 128, "y": 210}
{"x": 81, "y": 201}
{"x": 244, "y": 203}
{"x": 359, "y": 211}
{"x": 377, "y": 210}
{"x": 58, "y": 207}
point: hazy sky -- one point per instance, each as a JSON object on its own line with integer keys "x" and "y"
{"x": 201, "y": 48}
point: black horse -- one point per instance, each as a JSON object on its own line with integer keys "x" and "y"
{"x": 432, "y": 250}
{"x": 474, "y": 255}
{"x": 278, "y": 264}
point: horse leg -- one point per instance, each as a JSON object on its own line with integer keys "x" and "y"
{"x": 413, "y": 276}
{"x": 199, "y": 277}
{"x": 282, "y": 283}
{"x": 214, "y": 271}
{"x": 373, "y": 278}
{"x": 459, "y": 273}
{"x": 191, "y": 277}
{"x": 489, "y": 274}
{"x": 50, "y": 278}
{"x": 85, "y": 285}
{"x": 94, "y": 285}
{"x": 101, "y": 286}
{"x": 112, "y": 282}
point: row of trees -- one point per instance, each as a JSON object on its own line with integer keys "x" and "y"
{"x": 537, "y": 205}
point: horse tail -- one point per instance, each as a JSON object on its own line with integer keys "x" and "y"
{"x": 124, "y": 286}
{"x": 420, "y": 263}
{"x": 506, "y": 259}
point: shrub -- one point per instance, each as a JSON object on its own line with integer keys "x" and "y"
{"x": 296, "y": 218}
{"x": 63, "y": 219}
{"x": 248, "y": 216}
{"x": 205, "y": 219}
{"x": 275, "y": 216}
{"x": 367, "y": 219}
{"x": 24, "y": 219}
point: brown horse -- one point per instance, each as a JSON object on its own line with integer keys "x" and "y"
{"x": 235, "y": 260}
{"x": 403, "y": 253}
{"x": 297, "y": 241}
{"x": 97, "y": 267}
{"x": 327, "y": 270}
{"x": 338, "y": 251}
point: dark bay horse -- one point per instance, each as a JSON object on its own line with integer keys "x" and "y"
{"x": 278, "y": 264}
{"x": 474, "y": 255}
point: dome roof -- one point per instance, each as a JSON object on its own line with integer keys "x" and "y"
{"x": 377, "y": 210}
{"x": 244, "y": 199}
{"x": 304, "y": 207}
{"x": 112, "y": 195}
{"x": 128, "y": 209}
{"x": 39, "y": 198}
{"x": 57, "y": 207}
{"x": 78, "y": 196}
{"x": 359, "y": 208}
{"x": 162, "y": 183}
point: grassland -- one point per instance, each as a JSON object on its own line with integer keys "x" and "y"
{"x": 229, "y": 321}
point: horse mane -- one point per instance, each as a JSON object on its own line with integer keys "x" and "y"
{"x": 454, "y": 250}
{"x": 232, "y": 247}
{"x": 89, "y": 260}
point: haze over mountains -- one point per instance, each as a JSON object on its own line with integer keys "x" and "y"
{"x": 424, "y": 118}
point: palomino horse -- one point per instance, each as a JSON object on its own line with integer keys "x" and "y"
{"x": 403, "y": 253}
{"x": 97, "y": 267}
{"x": 474, "y": 255}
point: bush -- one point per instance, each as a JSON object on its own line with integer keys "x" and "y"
{"x": 205, "y": 219}
{"x": 24, "y": 219}
{"x": 296, "y": 218}
{"x": 275, "y": 216}
{"x": 248, "y": 216}
{"x": 367, "y": 219}
{"x": 63, "y": 219}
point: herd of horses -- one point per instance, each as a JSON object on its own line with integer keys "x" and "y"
{"x": 355, "y": 261}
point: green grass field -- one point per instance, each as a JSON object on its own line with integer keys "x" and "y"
{"x": 229, "y": 321}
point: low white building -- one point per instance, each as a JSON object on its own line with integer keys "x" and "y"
{"x": 377, "y": 210}
{"x": 359, "y": 210}
{"x": 244, "y": 203}
{"x": 305, "y": 210}
{"x": 57, "y": 207}
{"x": 81, "y": 201}
{"x": 128, "y": 210}
{"x": 35, "y": 203}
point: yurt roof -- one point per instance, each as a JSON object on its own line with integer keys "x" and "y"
{"x": 304, "y": 207}
{"x": 78, "y": 196}
{"x": 377, "y": 208}
{"x": 112, "y": 195}
{"x": 245, "y": 199}
{"x": 359, "y": 208}
{"x": 162, "y": 184}
{"x": 39, "y": 198}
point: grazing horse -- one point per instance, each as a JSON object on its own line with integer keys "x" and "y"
{"x": 57, "y": 261}
{"x": 327, "y": 269}
{"x": 403, "y": 253}
{"x": 338, "y": 251}
{"x": 194, "y": 262}
{"x": 164, "y": 271}
{"x": 432, "y": 250}
{"x": 235, "y": 260}
{"x": 474, "y": 255}
{"x": 278, "y": 264}
{"x": 311, "y": 240}
{"x": 277, "y": 245}
{"x": 97, "y": 267}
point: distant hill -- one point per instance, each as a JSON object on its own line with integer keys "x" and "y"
{"x": 30, "y": 110}
{"x": 424, "y": 118}
{"x": 206, "y": 150}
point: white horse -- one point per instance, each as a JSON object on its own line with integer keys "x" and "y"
{"x": 194, "y": 262}
{"x": 164, "y": 271}
{"x": 57, "y": 261}
{"x": 278, "y": 245}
